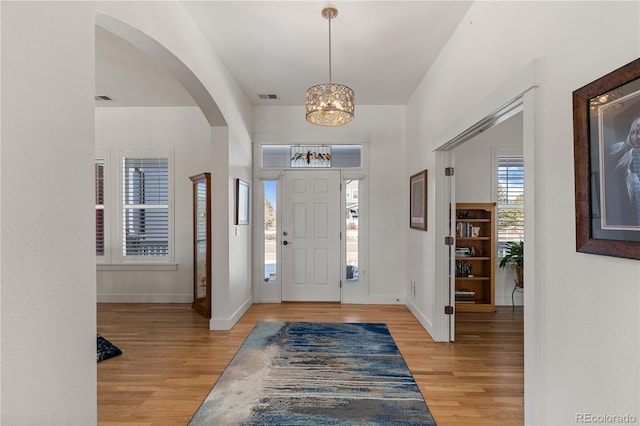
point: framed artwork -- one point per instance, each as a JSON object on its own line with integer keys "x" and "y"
{"x": 242, "y": 202}
{"x": 418, "y": 201}
{"x": 606, "y": 131}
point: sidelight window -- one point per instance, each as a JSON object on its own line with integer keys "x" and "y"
{"x": 270, "y": 222}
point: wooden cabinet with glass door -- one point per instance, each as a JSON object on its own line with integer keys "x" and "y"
{"x": 475, "y": 257}
{"x": 202, "y": 244}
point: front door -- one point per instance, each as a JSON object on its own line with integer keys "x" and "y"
{"x": 311, "y": 236}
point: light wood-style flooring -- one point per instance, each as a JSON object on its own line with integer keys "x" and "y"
{"x": 171, "y": 360}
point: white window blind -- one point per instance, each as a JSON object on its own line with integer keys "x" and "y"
{"x": 510, "y": 200}
{"x": 99, "y": 183}
{"x": 145, "y": 208}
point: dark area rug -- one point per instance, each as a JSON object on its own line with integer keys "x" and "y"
{"x": 106, "y": 349}
{"x": 304, "y": 373}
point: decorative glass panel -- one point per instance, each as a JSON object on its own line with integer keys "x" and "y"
{"x": 303, "y": 156}
{"x": 280, "y": 156}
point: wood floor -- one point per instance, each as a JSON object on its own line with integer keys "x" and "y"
{"x": 171, "y": 360}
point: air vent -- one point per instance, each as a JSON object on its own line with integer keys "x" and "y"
{"x": 269, "y": 96}
{"x": 103, "y": 98}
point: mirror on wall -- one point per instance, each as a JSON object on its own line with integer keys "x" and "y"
{"x": 202, "y": 244}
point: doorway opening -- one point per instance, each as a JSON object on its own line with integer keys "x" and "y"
{"x": 312, "y": 245}
{"x": 471, "y": 155}
{"x": 523, "y": 87}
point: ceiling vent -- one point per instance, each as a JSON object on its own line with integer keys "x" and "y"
{"x": 269, "y": 96}
{"x": 103, "y": 98}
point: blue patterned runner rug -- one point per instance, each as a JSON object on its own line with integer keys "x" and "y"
{"x": 304, "y": 373}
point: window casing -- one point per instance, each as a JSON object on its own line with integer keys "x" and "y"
{"x": 509, "y": 198}
{"x": 134, "y": 224}
{"x": 146, "y": 214}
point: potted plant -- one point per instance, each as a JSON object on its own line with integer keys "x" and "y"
{"x": 515, "y": 257}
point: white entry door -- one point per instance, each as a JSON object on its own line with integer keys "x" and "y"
{"x": 310, "y": 240}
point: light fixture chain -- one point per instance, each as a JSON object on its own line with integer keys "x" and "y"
{"x": 329, "y": 50}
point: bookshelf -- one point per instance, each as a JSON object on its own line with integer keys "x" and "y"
{"x": 475, "y": 257}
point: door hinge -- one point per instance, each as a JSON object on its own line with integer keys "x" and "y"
{"x": 340, "y": 283}
{"x": 448, "y": 310}
{"x": 448, "y": 171}
{"x": 340, "y": 234}
{"x": 449, "y": 241}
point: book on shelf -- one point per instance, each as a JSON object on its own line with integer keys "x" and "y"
{"x": 465, "y": 296}
{"x": 463, "y": 268}
{"x": 466, "y": 230}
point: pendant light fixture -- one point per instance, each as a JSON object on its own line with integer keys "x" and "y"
{"x": 330, "y": 104}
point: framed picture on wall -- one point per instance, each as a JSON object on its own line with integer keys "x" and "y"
{"x": 606, "y": 127}
{"x": 418, "y": 201}
{"x": 242, "y": 202}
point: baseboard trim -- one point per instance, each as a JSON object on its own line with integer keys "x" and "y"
{"x": 385, "y": 300}
{"x": 228, "y": 323}
{"x": 270, "y": 301}
{"x": 422, "y": 319}
{"x": 144, "y": 298}
{"x": 506, "y": 300}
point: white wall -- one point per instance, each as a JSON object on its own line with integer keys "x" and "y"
{"x": 388, "y": 213}
{"x": 185, "y": 131}
{"x": 47, "y": 249}
{"x": 582, "y": 331}
{"x": 474, "y": 182}
{"x": 169, "y": 37}
{"x": 240, "y": 161}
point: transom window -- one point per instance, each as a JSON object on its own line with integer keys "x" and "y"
{"x": 340, "y": 156}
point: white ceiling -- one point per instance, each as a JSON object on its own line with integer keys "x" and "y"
{"x": 381, "y": 49}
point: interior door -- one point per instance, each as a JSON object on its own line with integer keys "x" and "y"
{"x": 310, "y": 241}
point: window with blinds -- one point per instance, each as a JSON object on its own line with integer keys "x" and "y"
{"x": 510, "y": 200}
{"x": 145, "y": 207}
{"x": 99, "y": 182}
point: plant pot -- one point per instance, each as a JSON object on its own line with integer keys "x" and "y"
{"x": 520, "y": 274}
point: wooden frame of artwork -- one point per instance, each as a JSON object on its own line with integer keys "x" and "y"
{"x": 418, "y": 201}
{"x": 606, "y": 126}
